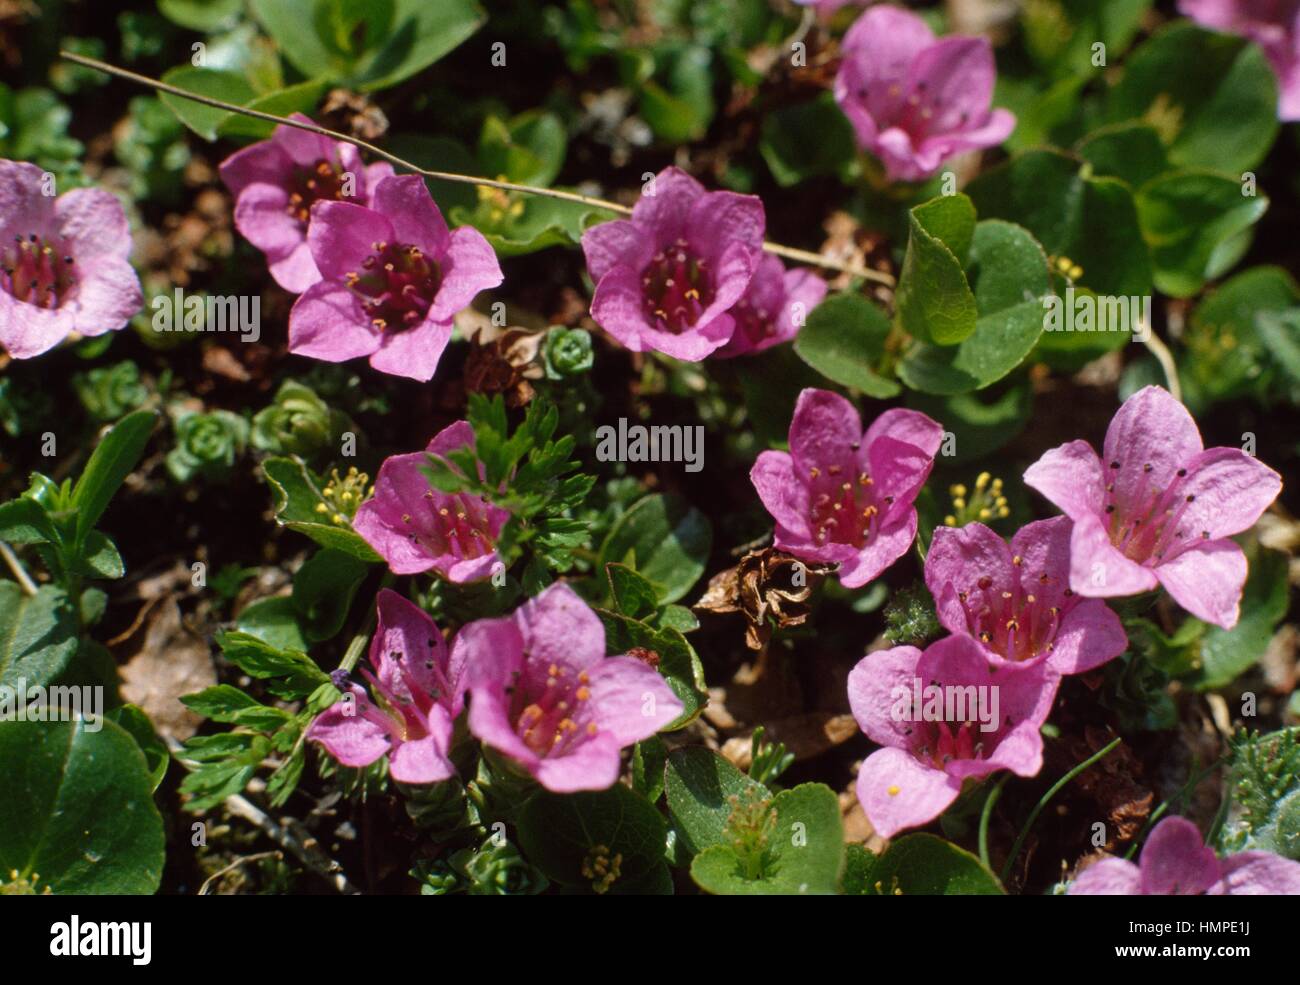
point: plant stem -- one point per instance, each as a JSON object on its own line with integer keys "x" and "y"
{"x": 1043, "y": 801}
{"x": 16, "y": 566}
{"x": 790, "y": 253}
{"x": 985, "y": 814}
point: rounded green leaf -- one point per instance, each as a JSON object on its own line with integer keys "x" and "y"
{"x": 924, "y": 865}
{"x": 38, "y": 634}
{"x": 843, "y": 339}
{"x": 78, "y": 814}
{"x": 665, "y": 540}
{"x": 934, "y": 299}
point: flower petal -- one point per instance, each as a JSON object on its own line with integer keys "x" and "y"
{"x": 327, "y": 323}
{"x": 1207, "y": 581}
{"x": 630, "y": 700}
{"x": 469, "y": 266}
{"x": 1090, "y": 634}
{"x": 1231, "y": 490}
{"x": 1257, "y": 874}
{"x": 1071, "y": 478}
{"x": 1098, "y": 569}
{"x": 1150, "y": 429}
{"x": 342, "y": 235}
{"x": 878, "y": 685}
{"x": 1108, "y": 877}
{"x": 897, "y": 791}
{"x": 619, "y": 243}
{"x": 1176, "y": 861}
{"x": 413, "y": 353}
{"x": 416, "y": 219}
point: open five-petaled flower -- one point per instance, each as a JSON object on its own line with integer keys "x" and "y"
{"x": 277, "y": 181}
{"x": 1175, "y": 862}
{"x": 667, "y": 278}
{"x": 1017, "y": 599}
{"x": 63, "y": 262}
{"x": 392, "y": 279}
{"x": 417, "y": 528}
{"x": 1157, "y": 508}
{"x": 914, "y": 100}
{"x": 842, "y": 496}
{"x": 417, "y": 693}
{"x": 973, "y": 718}
{"x": 543, "y": 692}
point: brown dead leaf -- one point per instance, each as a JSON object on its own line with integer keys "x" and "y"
{"x": 169, "y": 661}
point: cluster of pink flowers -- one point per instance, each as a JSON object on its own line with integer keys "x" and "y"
{"x": 379, "y": 273}
{"x": 542, "y": 693}
{"x": 1157, "y": 511}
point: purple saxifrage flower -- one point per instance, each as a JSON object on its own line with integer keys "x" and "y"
{"x": 1274, "y": 25}
{"x": 418, "y": 692}
{"x": 1017, "y": 599}
{"x": 914, "y": 100}
{"x": 667, "y": 278}
{"x": 773, "y": 308}
{"x": 930, "y": 751}
{"x": 63, "y": 263}
{"x": 392, "y": 279}
{"x": 276, "y": 182}
{"x": 1175, "y": 862}
{"x": 417, "y": 528}
{"x": 1157, "y": 508}
{"x": 842, "y": 496}
{"x": 543, "y": 692}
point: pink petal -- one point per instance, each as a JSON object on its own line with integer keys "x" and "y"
{"x": 1231, "y": 490}
{"x": 876, "y": 686}
{"x": 890, "y": 542}
{"x": 95, "y": 224}
{"x": 1257, "y": 874}
{"x": 630, "y": 700}
{"x": 719, "y": 220}
{"x": 1175, "y": 860}
{"x": 897, "y": 791}
{"x": 558, "y": 629}
{"x": 618, "y": 243}
{"x": 664, "y": 212}
{"x": 1090, "y": 634}
{"x": 261, "y": 163}
{"x": 1071, "y": 478}
{"x": 1207, "y": 581}
{"x": 23, "y": 208}
{"x": 1098, "y": 569}
{"x": 327, "y": 323}
{"x": 421, "y": 761}
{"x": 416, "y": 220}
{"x": 958, "y": 558}
{"x": 469, "y": 266}
{"x": 909, "y": 426}
{"x": 107, "y": 298}
{"x": 413, "y": 353}
{"x": 342, "y": 235}
{"x": 296, "y": 271}
{"x": 783, "y": 495}
{"x": 1150, "y": 429}
{"x": 591, "y": 764}
{"x": 26, "y": 330}
{"x": 824, "y": 431}
{"x": 1108, "y": 877}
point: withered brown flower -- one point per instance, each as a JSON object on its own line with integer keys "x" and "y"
{"x": 765, "y": 583}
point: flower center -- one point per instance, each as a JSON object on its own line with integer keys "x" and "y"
{"x": 676, "y": 288}
{"x": 1016, "y": 624}
{"x": 547, "y": 724}
{"x": 948, "y": 742}
{"x": 396, "y": 285}
{"x": 324, "y": 181}
{"x": 458, "y": 525}
{"x": 844, "y": 511}
{"x": 34, "y": 272}
{"x": 1149, "y": 525}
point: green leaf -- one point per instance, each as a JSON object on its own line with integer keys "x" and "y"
{"x": 1264, "y": 795}
{"x": 564, "y": 834}
{"x": 323, "y": 589}
{"x": 807, "y": 140}
{"x": 648, "y": 759}
{"x": 137, "y": 724}
{"x": 223, "y": 703}
{"x": 1130, "y": 151}
{"x": 528, "y": 149}
{"x": 935, "y": 303}
{"x": 275, "y": 622}
{"x": 844, "y": 339}
{"x": 1193, "y": 222}
{"x": 1091, "y": 220}
{"x": 1212, "y": 97}
{"x": 78, "y": 813}
{"x": 521, "y": 224}
{"x": 1009, "y": 271}
{"x": 981, "y": 422}
{"x": 678, "y": 662}
{"x": 793, "y": 845}
{"x": 366, "y": 44}
{"x": 1227, "y": 653}
{"x": 101, "y": 559}
{"x": 301, "y": 98}
{"x": 1060, "y": 35}
{"x": 201, "y": 15}
{"x": 206, "y": 121}
{"x": 924, "y": 865}
{"x": 700, "y": 785}
{"x": 38, "y": 635}
{"x": 678, "y": 101}
{"x": 112, "y": 461}
{"x": 289, "y": 672}
{"x": 25, "y": 521}
{"x": 632, "y": 594}
{"x": 664, "y": 539}
{"x": 296, "y": 497}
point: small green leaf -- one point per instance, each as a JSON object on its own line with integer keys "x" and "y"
{"x": 923, "y": 865}
{"x": 665, "y": 540}
{"x": 296, "y": 498}
{"x": 38, "y": 635}
{"x": 633, "y": 595}
{"x": 206, "y": 121}
{"x": 275, "y": 622}
{"x": 111, "y": 462}
{"x": 78, "y": 813}
{"x": 700, "y": 785}
{"x": 935, "y": 303}
{"x": 1227, "y": 653}
{"x": 844, "y": 339}
{"x": 137, "y": 724}
{"x": 807, "y": 140}
{"x": 323, "y": 589}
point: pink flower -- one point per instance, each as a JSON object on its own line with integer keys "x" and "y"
{"x": 916, "y": 101}
{"x": 773, "y": 308}
{"x": 842, "y": 496}
{"x": 392, "y": 279}
{"x": 1017, "y": 600}
{"x": 63, "y": 263}
{"x": 276, "y": 182}
{"x": 1175, "y": 862}
{"x": 1160, "y": 509}
{"x": 942, "y": 716}
{"x": 667, "y": 278}
{"x": 543, "y": 692}
{"x": 417, "y": 528}
{"x": 418, "y": 694}
{"x": 1274, "y": 25}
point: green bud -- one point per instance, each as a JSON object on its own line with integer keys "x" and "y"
{"x": 207, "y": 445}
{"x": 297, "y": 423}
{"x": 567, "y": 352}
